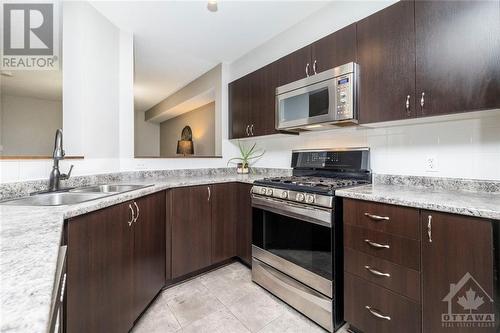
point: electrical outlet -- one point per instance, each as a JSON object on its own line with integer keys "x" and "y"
{"x": 431, "y": 164}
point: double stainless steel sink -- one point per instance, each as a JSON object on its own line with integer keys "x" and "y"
{"x": 72, "y": 196}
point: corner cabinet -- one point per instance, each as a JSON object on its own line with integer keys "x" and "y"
{"x": 115, "y": 265}
{"x": 252, "y": 103}
{"x": 210, "y": 224}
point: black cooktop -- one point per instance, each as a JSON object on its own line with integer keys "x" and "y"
{"x": 323, "y": 185}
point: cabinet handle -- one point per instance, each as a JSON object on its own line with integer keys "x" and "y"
{"x": 422, "y": 100}
{"x": 132, "y": 219}
{"x": 377, "y": 313}
{"x": 429, "y": 228}
{"x": 376, "y": 272}
{"x": 251, "y": 129}
{"x": 209, "y": 193}
{"x": 314, "y": 67}
{"x": 138, "y": 211}
{"x": 407, "y": 104}
{"x": 377, "y": 245}
{"x": 248, "y": 127}
{"x": 377, "y": 217}
{"x": 307, "y": 70}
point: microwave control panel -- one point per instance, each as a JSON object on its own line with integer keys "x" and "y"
{"x": 344, "y": 97}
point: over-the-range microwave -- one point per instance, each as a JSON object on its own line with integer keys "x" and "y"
{"x": 318, "y": 102}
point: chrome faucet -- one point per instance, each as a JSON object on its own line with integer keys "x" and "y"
{"x": 55, "y": 174}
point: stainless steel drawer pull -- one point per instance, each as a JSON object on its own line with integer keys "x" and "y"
{"x": 429, "y": 228}
{"x": 377, "y": 217}
{"x": 376, "y": 272}
{"x": 138, "y": 211}
{"x": 377, "y": 245}
{"x": 376, "y": 313}
{"x": 132, "y": 219}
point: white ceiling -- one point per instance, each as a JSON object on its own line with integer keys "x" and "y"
{"x": 34, "y": 84}
{"x": 177, "y": 41}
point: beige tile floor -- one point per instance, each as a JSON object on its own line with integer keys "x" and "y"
{"x": 220, "y": 301}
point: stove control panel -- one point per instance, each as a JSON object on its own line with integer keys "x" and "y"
{"x": 293, "y": 196}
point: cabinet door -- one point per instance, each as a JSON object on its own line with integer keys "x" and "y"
{"x": 100, "y": 271}
{"x": 244, "y": 223}
{"x": 239, "y": 107}
{"x": 335, "y": 49}
{"x": 294, "y": 67}
{"x": 191, "y": 229}
{"x": 458, "y": 55}
{"x": 149, "y": 249}
{"x": 386, "y": 57}
{"x": 223, "y": 222}
{"x": 457, "y": 257}
{"x": 262, "y": 100}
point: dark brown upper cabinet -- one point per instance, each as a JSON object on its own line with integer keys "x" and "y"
{"x": 386, "y": 58}
{"x": 456, "y": 251}
{"x": 263, "y": 83}
{"x": 239, "y": 108}
{"x": 334, "y": 50}
{"x": 295, "y": 66}
{"x": 252, "y": 103}
{"x": 458, "y": 56}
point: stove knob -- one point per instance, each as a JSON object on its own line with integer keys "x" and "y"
{"x": 263, "y": 190}
{"x": 310, "y": 198}
{"x": 300, "y": 197}
{"x": 269, "y": 191}
{"x": 284, "y": 195}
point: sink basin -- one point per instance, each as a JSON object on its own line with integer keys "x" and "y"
{"x": 55, "y": 199}
{"x": 107, "y": 188}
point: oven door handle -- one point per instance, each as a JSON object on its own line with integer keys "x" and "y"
{"x": 312, "y": 214}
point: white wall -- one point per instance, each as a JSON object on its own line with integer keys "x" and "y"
{"x": 28, "y": 125}
{"x": 146, "y": 136}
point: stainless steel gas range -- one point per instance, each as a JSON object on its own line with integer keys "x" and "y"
{"x": 297, "y": 250}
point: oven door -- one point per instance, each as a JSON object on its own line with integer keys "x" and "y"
{"x": 296, "y": 239}
{"x": 307, "y": 106}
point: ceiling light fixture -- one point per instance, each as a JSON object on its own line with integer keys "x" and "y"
{"x": 212, "y": 5}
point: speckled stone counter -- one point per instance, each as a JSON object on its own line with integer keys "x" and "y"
{"x": 30, "y": 239}
{"x": 479, "y": 204}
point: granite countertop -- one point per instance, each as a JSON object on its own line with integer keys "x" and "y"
{"x": 478, "y": 204}
{"x": 29, "y": 245}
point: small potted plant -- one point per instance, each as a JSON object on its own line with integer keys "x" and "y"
{"x": 247, "y": 155}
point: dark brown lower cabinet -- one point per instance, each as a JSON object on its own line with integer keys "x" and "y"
{"x": 115, "y": 265}
{"x": 244, "y": 222}
{"x": 149, "y": 250}
{"x": 224, "y": 214}
{"x": 457, "y": 272}
{"x": 209, "y": 225}
{"x": 191, "y": 229}
{"x": 100, "y": 271}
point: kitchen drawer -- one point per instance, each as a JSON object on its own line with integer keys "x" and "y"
{"x": 390, "y": 312}
{"x": 396, "y": 220}
{"x": 397, "y": 278}
{"x": 402, "y": 251}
